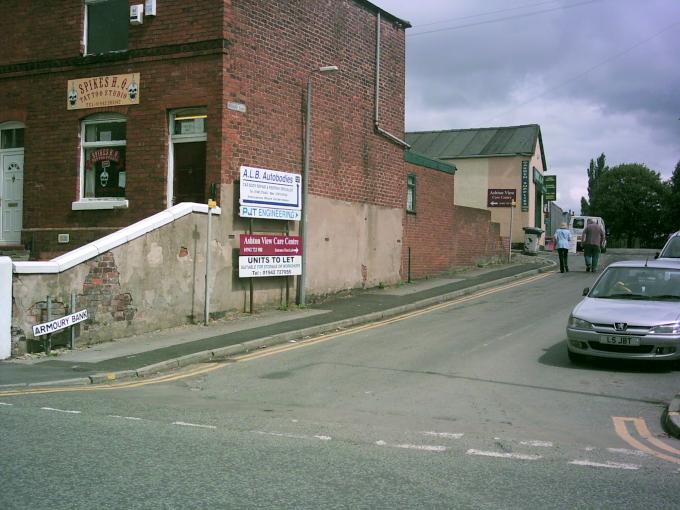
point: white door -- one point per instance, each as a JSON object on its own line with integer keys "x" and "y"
{"x": 11, "y": 196}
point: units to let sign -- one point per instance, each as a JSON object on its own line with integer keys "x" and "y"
{"x": 501, "y": 197}
{"x": 59, "y": 324}
{"x": 270, "y": 194}
{"x": 262, "y": 255}
{"x": 269, "y": 265}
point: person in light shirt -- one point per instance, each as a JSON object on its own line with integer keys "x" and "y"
{"x": 562, "y": 241}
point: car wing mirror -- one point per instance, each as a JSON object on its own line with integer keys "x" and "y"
{"x": 586, "y": 291}
{"x": 656, "y": 255}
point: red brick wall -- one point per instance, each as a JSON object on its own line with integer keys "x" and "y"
{"x": 476, "y": 236}
{"x": 279, "y": 43}
{"x": 43, "y": 30}
{"x": 428, "y": 232}
{"x": 170, "y": 77}
{"x": 441, "y": 235}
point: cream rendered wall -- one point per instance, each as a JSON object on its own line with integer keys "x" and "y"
{"x": 506, "y": 172}
{"x": 351, "y": 245}
{"x": 472, "y": 182}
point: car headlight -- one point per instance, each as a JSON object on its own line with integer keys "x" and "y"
{"x": 666, "y": 329}
{"x": 576, "y": 323}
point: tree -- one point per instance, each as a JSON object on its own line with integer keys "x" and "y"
{"x": 672, "y": 209}
{"x": 594, "y": 171}
{"x": 630, "y": 197}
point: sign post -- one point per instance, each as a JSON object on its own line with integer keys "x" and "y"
{"x": 504, "y": 197}
{"x": 512, "y": 210}
{"x": 211, "y": 205}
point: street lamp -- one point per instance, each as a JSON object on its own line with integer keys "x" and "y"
{"x": 305, "y": 177}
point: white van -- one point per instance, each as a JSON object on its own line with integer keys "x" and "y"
{"x": 578, "y": 223}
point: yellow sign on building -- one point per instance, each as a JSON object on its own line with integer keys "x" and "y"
{"x": 98, "y": 91}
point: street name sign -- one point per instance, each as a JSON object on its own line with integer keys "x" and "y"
{"x": 501, "y": 197}
{"x": 59, "y": 324}
{"x": 270, "y": 194}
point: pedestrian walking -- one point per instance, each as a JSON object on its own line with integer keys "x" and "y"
{"x": 563, "y": 241}
{"x": 593, "y": 239}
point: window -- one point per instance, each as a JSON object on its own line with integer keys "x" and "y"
{"x": 187, "y": 158}
{"x": 411, "y": 193}
{"x": 102, "y": 162}
{"x": 106, "y": 26}
{"x": 11, "y": 137}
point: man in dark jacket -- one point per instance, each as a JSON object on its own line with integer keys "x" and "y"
{"x": 593, "y": 239}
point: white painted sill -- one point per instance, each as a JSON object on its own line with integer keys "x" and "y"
{"x": 99, "y": 203}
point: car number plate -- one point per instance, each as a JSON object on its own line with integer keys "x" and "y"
{"x": 620, "y": 340}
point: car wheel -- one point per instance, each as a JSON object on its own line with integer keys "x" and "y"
{"x": 575, "y": 357}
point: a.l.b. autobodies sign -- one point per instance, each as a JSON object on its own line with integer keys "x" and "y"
{"x": 262, "y": 255}
{"x": 270, "y": 194}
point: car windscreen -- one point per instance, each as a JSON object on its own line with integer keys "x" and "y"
{"x": 644, "y": 283}
{"x": 672, "y": 248}
{"x": 578, "y": 223}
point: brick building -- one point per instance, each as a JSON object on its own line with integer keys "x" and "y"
{"x": 167, "y": 107}
{"x": 496, "y": 158}
{"x": 104, "y": 122}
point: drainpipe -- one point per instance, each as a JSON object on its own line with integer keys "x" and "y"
{"x": 376, "y": 113}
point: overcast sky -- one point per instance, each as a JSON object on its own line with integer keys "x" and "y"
{"x": 596, "y": 75}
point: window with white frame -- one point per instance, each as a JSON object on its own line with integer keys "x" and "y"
{"x": 106, "y": 26}
{"x": 103, "y": 141}
{"x": 411, "y": 193}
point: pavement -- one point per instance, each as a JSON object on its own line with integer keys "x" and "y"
{"x": 165, "y": 350}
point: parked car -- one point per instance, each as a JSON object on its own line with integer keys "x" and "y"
{"x": 578, "y": 223}
{"x": 631, "y": 312}
{"x": 671, "y": 250}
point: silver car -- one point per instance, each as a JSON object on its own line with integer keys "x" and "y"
{"x": 631, "y": 312}
{"x": 671, "y": 249}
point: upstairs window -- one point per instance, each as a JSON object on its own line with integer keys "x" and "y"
{"x": 411, "y": 193}
{"x": 104, "y": 138}
{"x": 106, "y": 26}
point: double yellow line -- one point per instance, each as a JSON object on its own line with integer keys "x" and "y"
{"x": 205, "y": 368}
{"x": 658, "y": 448}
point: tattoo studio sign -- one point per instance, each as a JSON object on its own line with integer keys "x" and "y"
{"x": 98, "y": 91}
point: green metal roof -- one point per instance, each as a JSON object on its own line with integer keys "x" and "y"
{"x": 476, "y": 143}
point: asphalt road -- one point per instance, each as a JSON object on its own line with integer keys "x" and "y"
{"x": 472, "y": 404}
